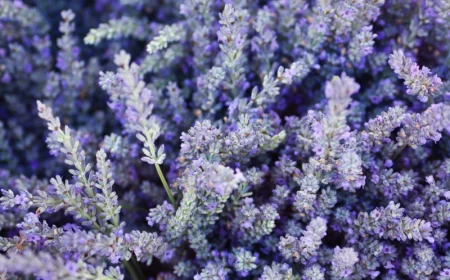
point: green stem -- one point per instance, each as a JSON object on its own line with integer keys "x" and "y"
{"x": 127, "y": 206}
{"x": 166, "y": 186}
{"x": 161, "y": 175}
{"x": 131, "y": 270}
{"x": 397, "y": 153}
{"x": 136, "y": 265}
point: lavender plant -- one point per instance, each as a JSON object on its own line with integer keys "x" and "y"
{"x": 200, "y": 139}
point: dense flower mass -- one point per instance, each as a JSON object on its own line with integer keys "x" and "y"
{"x": 224, "y": 139}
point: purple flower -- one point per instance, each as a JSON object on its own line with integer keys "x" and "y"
{"x": 21, "y": 199}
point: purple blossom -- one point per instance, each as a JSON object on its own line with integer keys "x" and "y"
{"x": 275, "y": 132}
{"x": 419, "y": 81}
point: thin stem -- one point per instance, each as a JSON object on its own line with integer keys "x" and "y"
{"x": 161, "y": 175}
{"x": 131, "y": 270}
{"x": 397, "y": 153}
{"x": 128, "y": 206}
{"x": 136, "y": 265}
{"x": 166, "y": 186}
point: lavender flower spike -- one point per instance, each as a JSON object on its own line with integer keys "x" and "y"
{"x": 419, "y": 81}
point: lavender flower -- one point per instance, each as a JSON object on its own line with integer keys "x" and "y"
{"x": 389, "y": 222}
{"x": 116, "y": 28}
{"x": 343, "y": 262}
{"x": 277, "y": 271}
{"x": 380, "y": 128}
{"x": 212, "y": 271}
{"x": 244, "y": 262}
{"x": 362, "y": 44}
{"x": 274, "y": 129}
{"x": 166, "y": 35}
{"x": 43, "y": 265}
{"x": 304, "y": 248}
{"x": 419, "y": 81}
{"x": 418, "y": 128}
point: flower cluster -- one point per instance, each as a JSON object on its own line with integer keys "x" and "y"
{"x": 225, "y": 139}
{"x": 418, "y": 81}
